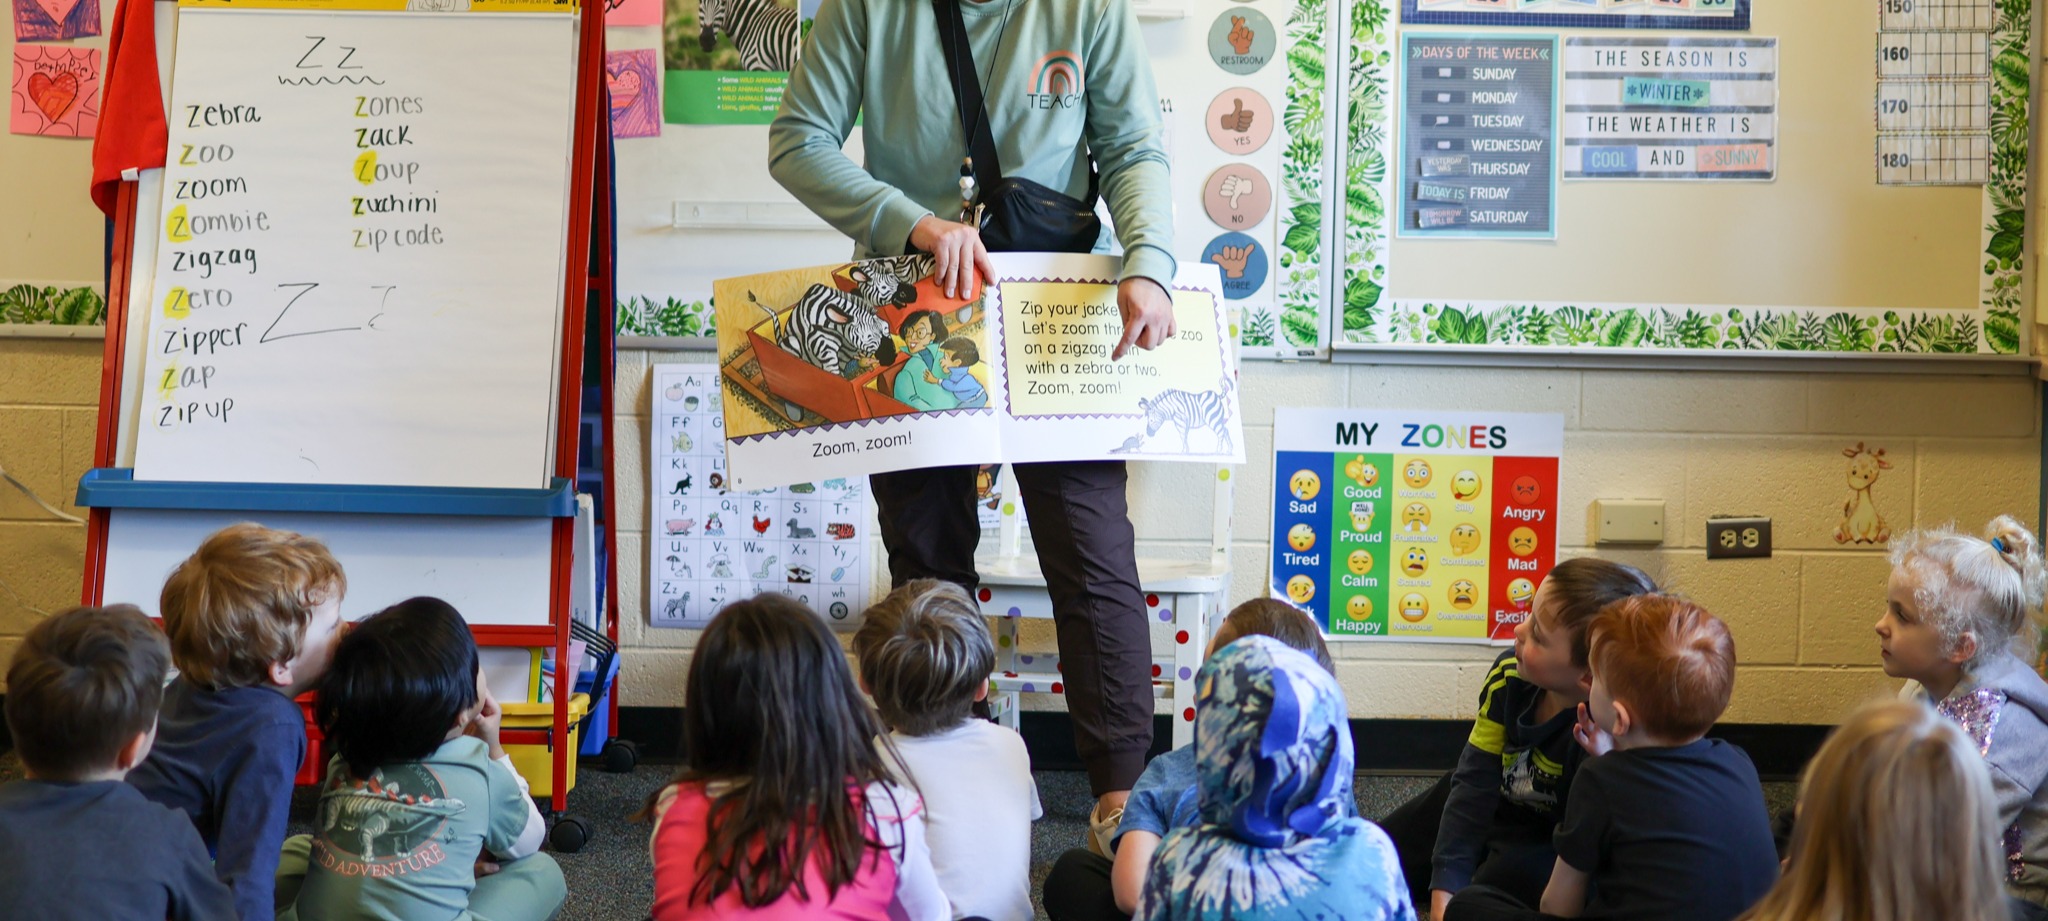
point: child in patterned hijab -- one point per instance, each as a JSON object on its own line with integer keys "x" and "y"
{"x": 1274, "y": 840}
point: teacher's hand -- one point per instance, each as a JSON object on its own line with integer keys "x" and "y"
{"x": 957, "y": 254}
{"x": 1148, "y": 315}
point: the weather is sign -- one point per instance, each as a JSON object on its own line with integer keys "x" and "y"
{"x": 1415, "y": 525}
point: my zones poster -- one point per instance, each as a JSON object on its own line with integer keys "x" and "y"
{"x": 1414, "y": 525}
{"x": 868, "y": 367}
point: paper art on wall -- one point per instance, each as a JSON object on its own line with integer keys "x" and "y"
{"x": 709, "y": 544}
{"x": 55, "y": 20}
{"x": 1417, "y": 525}
{"x": 1862, "y": 523}
{"x": 632, "y": 12}
{"x": 634, "y": 81}
{"x": 56, "y": 91}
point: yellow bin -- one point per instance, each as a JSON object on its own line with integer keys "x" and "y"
{"x": 536, "y": 762}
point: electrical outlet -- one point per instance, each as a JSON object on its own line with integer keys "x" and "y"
{"x": 1737, "y": 538}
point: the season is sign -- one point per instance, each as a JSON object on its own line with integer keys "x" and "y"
{"x": 1670, "y": 108}
{"x": 1414, "y": 525}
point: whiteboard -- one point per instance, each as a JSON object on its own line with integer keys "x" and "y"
{"x": 494, "y": 570}
{"x": 359, "y": 255}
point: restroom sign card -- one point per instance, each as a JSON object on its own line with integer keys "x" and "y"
{"x": 1414, "y": 525}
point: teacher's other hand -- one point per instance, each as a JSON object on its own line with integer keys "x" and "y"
{"x": 1148, "y": 315}
{"x": 957, "y": 254}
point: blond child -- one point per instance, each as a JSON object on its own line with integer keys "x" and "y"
{"x": 925, "y": 656}
{"x": 1663, "y": 823}
{"x": 1954, "y": 606}
{"x": 76, "y": 842}
{"x": 252, "y": 617}
{"x": 1896, "y": 823}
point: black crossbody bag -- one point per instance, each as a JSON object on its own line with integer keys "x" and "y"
{"x": 1017, "y": 215}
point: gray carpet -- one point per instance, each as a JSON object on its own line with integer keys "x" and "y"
{"x": 612, "y": 879}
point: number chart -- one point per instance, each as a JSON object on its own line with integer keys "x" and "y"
{"x": 1425, "y": 525}
{"x": 1934, "y": 63}
{"x": 708, "y": 545}
{"x": 359, "y": 269}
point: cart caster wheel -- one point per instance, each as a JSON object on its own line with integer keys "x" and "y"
{"x": 569, "y": 835}
{"x": 620, "y": 756}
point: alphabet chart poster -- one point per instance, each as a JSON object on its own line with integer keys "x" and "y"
{"x": 1414, "y": 525}
{"x": 709, "y": 545}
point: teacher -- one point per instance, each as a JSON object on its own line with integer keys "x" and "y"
{"x": 1063, "y": 82}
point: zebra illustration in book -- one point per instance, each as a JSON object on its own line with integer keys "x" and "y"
{"x": 828, "y": 329}
{"x": 764, "y": 32}
{"x": 1208, "y": 409}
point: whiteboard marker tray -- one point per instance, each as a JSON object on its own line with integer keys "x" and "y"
{"x": 116, "y": 487}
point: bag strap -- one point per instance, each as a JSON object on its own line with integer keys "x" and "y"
{"x": 988, "y": 170}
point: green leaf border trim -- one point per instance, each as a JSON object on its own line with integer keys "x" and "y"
{"x": 1299, "y": 321}
{"x": 1994, "y": 327}
{"x": 52, "y": 305}
{"x": 642, "y": 315}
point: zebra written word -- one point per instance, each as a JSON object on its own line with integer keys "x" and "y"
{"x": 829, "y": 330}
{"x": 1209, "y": 409}
{"x": 763, "y": 31}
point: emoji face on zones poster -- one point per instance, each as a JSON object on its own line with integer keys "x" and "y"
{"x": 1358, "y": 608}
{"x": 1520, "y": 591}
{"x": 1414, "y": 607}
{"x": 1301, "y": 537}
{"x": 1362, "y": 472}
{"x": 1415, "y": 562}
{"x": 1465, "y": 484}
{"x": 1360, "y": 562}
{"x": 1525, "y": 490}
{"x": 1464, "y": 538}
{"x": 1300, "y": 589}
{"x": 1464, "y": 594}
{"x": 1361, "y": 516}
{"x": 1415, "y": 518}
{"x": 1522, "y": 541}
{"x": 1304, "y": 485}
{"x": 1417, "y": 473}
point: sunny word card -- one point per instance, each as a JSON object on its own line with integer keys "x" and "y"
{"x": 1414, "y": 525}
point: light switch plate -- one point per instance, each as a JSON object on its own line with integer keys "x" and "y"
{"x": 1628, "y": 521}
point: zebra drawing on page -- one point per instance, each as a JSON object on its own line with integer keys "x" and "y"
{"x": 1209, "y": 409}
{"x": 764, "y": 32}
{"x": 828, "y": 329}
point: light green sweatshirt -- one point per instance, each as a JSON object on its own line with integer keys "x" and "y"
{"x": 1072, "y": 76}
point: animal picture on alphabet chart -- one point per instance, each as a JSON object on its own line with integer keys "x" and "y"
{"x": 56, "y": 91}
{"x": 1414, "y": 525}
{"x": 709, "y": 545}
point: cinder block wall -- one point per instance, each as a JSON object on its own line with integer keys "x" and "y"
{"x": 1961, "y": 448}
{"x": 49, "y": 396}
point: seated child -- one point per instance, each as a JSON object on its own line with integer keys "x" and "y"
{"x": 1490, "y": 820}
{"x": 1084, "y": 885}
{"x": 925, "y": 657}
{"x": 1275, "y": 837}
{"x": 785, "y": 807}
{"x": 252, "y": 617}
{"x": 1663, "y": 823}
{"x": 76, "y": 842}
{"x": 1896, "y": 823}
{"x": 1954, "y": 605}
{"x": 419, "y": 789}
{"x": 959, "y": 380}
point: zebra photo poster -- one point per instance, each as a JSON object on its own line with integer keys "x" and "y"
{"x": 866, "y": 367}
{"x": 708, "y": 544}
{"x": 727, "y": 61}
{"x": 1418, "y": 525}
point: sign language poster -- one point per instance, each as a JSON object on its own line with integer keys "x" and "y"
{"x": 867, "y": 367}
{"x": 1414, "y": 525}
